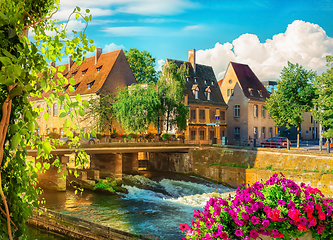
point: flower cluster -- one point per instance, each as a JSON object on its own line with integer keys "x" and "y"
{"x": 278, "y": 208}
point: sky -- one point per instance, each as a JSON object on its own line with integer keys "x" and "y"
{"x": 262, "y": 34}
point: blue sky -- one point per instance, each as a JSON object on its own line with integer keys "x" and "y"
{"x": 263, "y": 34}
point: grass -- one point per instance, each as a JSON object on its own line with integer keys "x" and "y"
{"x": 231, "y": 165}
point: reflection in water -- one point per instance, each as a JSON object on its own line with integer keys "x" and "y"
{"x": 153, "y": 207}
{"x": 36, "y": 234}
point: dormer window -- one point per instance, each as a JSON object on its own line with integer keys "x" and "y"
{"x": 99, "y": 68}
{"x": 65, "y": 88}
{"x": 250, "y": 91}
{"x": 195, "y": 91}
{"x": 195, "y": 79}
{"x": 84, "y": 72}
{"x": 205, "y": 82}
{"x": 187, "y": 78}
{"x": 212, "y": 83}
{"x": 76, "y": 86}
{"x": 260, "y": 93}
{"x": 73, "y": 74}
{"x": 208, "y": 91}
{"x": 89, "y": 85}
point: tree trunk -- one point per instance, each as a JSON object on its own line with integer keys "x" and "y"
{"x": 298, "y": 136}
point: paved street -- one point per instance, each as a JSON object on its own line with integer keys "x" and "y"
{"x": 311, "y": 145}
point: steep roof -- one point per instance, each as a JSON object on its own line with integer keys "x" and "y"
{"x": 88, "y": 73}
{"x": 203, "y": 73}
{"x": 249, "y": 82}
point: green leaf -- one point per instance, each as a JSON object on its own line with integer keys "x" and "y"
{"x": 92, "y": 48}
{"x": 86, "y": 136}
{"x": 7, "y": 81}
{"x": 78, "y": 8}
{"x": 13, "y": 129}
{"x": 77, "y": 16}
{"x": 67, "y": 123}
{"x": 5, "y": 60}
{"x": 69, "y": 134}
{"x": 15, "y": 140}
{"x": 59, "y": 75}
{"x": 87, "y": 10}
{"x": 93, "y": 133}
{"x": 72, "y": 81}
{"x": 38, "y": 165}
{"x": 70, "y": 88}
{"x": 46, "y": 116}
{"x": 61, "y": 68}
{"x": 62, "y": 113}
{"x": 85, "y": 103}
{"x": 74, "y": 126}
{"x": 47, "y": 147}
{"x": 78, "y": 97}
{"x": 81, "y": 112}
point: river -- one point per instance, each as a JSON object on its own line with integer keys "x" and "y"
{"x": 153, "y": 207}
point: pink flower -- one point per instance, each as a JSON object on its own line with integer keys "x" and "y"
{"x": 223, "y": 235}
{"x": 184, "y": 226}
{"x": 254, "y": 220}
{"x": 254, "y": 234}
{"x": 239, "y": 233}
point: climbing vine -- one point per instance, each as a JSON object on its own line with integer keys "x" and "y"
{"x": 25, "y": 72}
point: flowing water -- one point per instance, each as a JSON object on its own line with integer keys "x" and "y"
{"x": 153, "y": 207}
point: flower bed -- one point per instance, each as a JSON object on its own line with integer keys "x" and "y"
{"x": 277, "y": 209}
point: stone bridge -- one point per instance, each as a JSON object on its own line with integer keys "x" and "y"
{"x": 109, "y": 161}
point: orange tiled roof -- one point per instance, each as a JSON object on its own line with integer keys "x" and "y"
{"x": 88, "y": 73}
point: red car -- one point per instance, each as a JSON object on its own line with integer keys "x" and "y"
{"x": 279, "y": 142}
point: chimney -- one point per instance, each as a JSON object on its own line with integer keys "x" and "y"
{"x": 98, "y": 52}
{"x": 191, "y": 58}
{"x": 70, "y": 62}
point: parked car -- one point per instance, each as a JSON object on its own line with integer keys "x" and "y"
{"x": 279, "y": 142}
{"x": 89, "y": 141}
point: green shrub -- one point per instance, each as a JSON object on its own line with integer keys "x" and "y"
{"x": 108, "y": 186}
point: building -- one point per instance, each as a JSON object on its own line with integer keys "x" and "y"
{"x": 205, "y": 101}
{"x": 245, "y": 96}
{"x": 98, "y": 74}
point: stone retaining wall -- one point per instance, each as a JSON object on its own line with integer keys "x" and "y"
{"x": 77, "y": 228}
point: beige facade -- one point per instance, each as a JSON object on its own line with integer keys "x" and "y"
{"x": 309, "y": 127}
{"x": 245, "y": 96}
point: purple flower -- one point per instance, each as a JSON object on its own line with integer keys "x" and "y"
{"x": 259, "y": 204}
{"x": 267, "y": 209}
{"x": 239, "y": 222}
{"x": 208, "y": 237}
{"x": 219, "y": 228}
{"x": 281, "y": 202}
{"x": 248, "y": 209}
{"x": 254, "y": 234}
{"x": 254, "y": 220}
{"x": 291, "y": 204}
{"x": 265, "y": 223}
{"x": 246, "y": 238}
{"x": 245, "y": 216}
{"x": 239, "y": 233}
{"x": 303, "y": 221}
{"x": 275, "y": 232}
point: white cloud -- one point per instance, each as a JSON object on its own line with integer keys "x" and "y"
{"x": 303, "y": 42}
{"x": 159, "y": 65}
{"x": 193, "y": 27}
{"x": 112, "y": 47}
{"x": 132, "y": 31}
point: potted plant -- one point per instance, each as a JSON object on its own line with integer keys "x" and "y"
{"x": 278, "y": 208}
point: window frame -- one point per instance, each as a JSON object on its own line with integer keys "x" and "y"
{"x": 237, "y": 110}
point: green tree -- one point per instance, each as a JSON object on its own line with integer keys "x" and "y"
{"x": 137, "y": 106}
{"x": 102, "y": 111}
{"x": 294, "y": 95}
{"x": 24, "y": 65}
{"x": 324, "y": 89}
{"x": 142, "y": 65}
{"x": 171, "y": 86}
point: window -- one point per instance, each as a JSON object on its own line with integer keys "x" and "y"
{"x": 211, "y": 135}
{"x": 222, "y": 133}
{"x": 202, "y": 114}
{"x": 84, "y": 72}
{"x": 263, "y": 112}
{"x": 193, "y": 114}
{"x": 99, "y": 69}
{"x": 49, "y": 110}
{"x": 255, "y": 131}
{"x": 222, "y": 113}
{"x": 230, "y": 81}
{"x": 38, "y": 107}
{"x": 76, "y": 86}
{"x": 237, "y": 111}
{"x": 38, "y": 131}
{"x": 212, "y": 83}
{"x": 192, "y": 135}
{"x": 208, "y": 96}
{"x": 54, "y": 130}
{"x": 237, "y": 130}
{"x": 255, "y": 110}
{"x": 205, "y": 82}
{"x": 89, "y": 85}
{"x": 187, "y": 78}
{"x": 230, "y": 92}
{"x": 202, "y": 135}
{"x": 55, "y": 109}
{"x": 74, "y": 74}
{"x": 48, "y": 131}
{"x": 196, "y": 94}
{"x": 212, "y": 115}
{"x": 250, "y": 91}
{"x": 311, "y": 119}
{"x": 61, "y": 132}
{"x": 260, "y": 93}
{"x": 271, "y": 131}
{"x": 195, "y": 79}
{"x": 263, "y": 130}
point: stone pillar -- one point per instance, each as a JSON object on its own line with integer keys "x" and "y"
{"x": 107, "y": 164}
{"x": 51, "y": 178}
{"x": 130, "y": 162}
